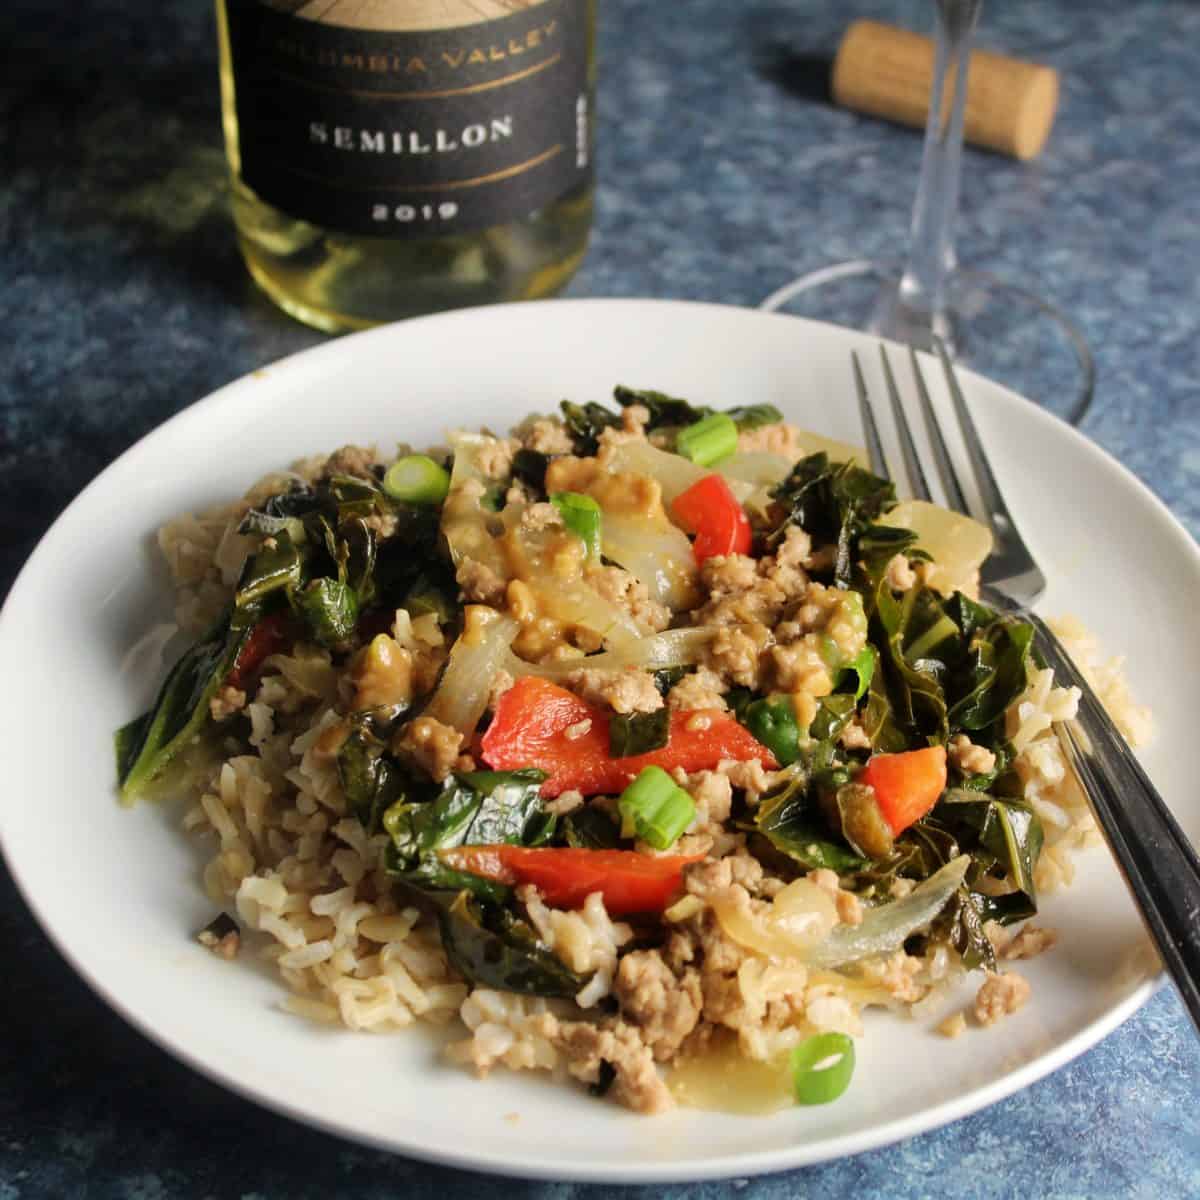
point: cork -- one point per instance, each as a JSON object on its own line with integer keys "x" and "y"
{"x": 888, "y": 72}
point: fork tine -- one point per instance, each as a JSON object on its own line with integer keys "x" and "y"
{"x": 941, "y": 454}
{"x": 998, "y": 515}
{"x": 870, "y": 429}
{"x": 1011, "y": 569}
{"x": 917, "y": 482}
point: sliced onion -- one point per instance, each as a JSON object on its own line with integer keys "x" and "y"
{"x": 674, "y": 473}
{"x": 885, "y": 929}
{"x": 476, "y": 658}
{"x": 575, "y": 603}
{"x": 466, "y": 526}
{"x": 675, "y": 648}
{"x": 757, "y": 467}
{"x": 958, "y": 544}
{"x": 800, "y": 919}
{"x": 812, "y": 443}
{"x": 656, "y": 553}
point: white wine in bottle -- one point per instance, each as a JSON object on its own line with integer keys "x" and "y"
{"x": 395, "y": 157}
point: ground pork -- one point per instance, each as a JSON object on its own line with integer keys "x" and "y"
{"x": 627, "y": 691}
{"x": 969, "y": 758}
{"x": 712, "y": 794}
{"x": 633, "y": 427}
{"x": 222, "y": 937}
{"x": 1028, "y": 942}
{"x": 585, "y": 1046}
{"x": 226, "y": 702}
{"x": 664, "y": 1007}
{"x": 480, "y": 584}
{"x": 494, "y": 457}
{"x": 777, "y": 438}
{"x": 501, "y": 682}
{"x": 854, "y": 737}
{"x": 1000, "y": 995}
{"x": 541, "y": 516}
{"x": 431, "y": 745}
{"x": 799, "y": 667}
{"x": 955, "y": 1025}
{"x": 899, "y": 574}
{"x": 849, "y": 906}
{"x": 898, "y": 975}
{"x": 702, "y": 689}
{"x": 564, "y": 802}
{"x": 628, "y": 592}
{"x": 547, "y": 435}
{"x": 751, "y": 777}
{"x": 733, "y": 654}
{"x": 351, "y": 460}
{"x": 741, "y": 870}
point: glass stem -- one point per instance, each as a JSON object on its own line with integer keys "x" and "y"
{"x": 921, "y": 303}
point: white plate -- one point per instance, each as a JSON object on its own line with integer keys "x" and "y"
{"x": 118, "y": 891}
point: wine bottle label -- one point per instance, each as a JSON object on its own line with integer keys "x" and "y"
{"x": 411, "y": 117}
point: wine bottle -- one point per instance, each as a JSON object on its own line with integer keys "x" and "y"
{"x": 395, "y": 157}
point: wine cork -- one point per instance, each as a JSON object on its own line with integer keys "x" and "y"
{"x": 888, "y": 73}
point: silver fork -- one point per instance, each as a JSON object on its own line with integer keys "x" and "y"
{"x": 1160, "y": 865}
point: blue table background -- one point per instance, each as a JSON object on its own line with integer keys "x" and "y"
{"x": 123, "y": 300}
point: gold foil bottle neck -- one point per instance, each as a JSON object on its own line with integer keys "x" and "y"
{"x": 888, "y": 72}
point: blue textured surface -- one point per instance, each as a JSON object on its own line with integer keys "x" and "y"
{"x": 124, "y": 300}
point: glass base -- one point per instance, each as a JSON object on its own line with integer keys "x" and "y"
{"x": 991, "y": 326}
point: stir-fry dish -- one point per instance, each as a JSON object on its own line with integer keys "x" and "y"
{"x": 653, "y": 742}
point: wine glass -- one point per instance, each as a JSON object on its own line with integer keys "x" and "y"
{"x": 999, "y": 328}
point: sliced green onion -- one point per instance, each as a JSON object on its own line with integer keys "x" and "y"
{"x": 581, "y": 515}
{"x": 862, "y": 666}
{"x": 773, "y": 722}
{"x": 821, "y": 1068}
{"x": 709, "y": 440}
{"x": 417, "y": 479}
{"x": 655, "y": 808}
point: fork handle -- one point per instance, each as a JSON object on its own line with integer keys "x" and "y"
{"x": 1160, "y": 865}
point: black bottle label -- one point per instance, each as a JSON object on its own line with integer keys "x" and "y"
{"x": 355, "y": 116}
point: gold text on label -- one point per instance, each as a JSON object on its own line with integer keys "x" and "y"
{"x": 444, "y": 65}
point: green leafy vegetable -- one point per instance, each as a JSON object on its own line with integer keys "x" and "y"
{"x": 755, "y": 416}
{"x": 479, "y": 808}
{"x": 277, "y": 566}
{"x": 586, "y": 423}
{"x": 671, "y": 411}
{"x": 862, "y": 668}
{"x": 835, "y": 503}
{"x": 917, "y": 703}
{"x": 773, "y": 722}
{"x": 529, "y": 466}
{"x": 834, "y": 713}
{"x": 792, "y": 823}
{"x": 489, "y": 946}
{"x": 664, "y": 410}
{"x": 667, "y": 677}
{"x": 330, "y": 608}
{"x": 373, "y": 782}
{"x": 638, "y": 733}
{"x": 145, "y": 746}
{"x": 590, "y": 828}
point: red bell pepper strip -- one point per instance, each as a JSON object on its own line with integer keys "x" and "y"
{"x": 269, "y": 636}
{"x": 630, "y": 882}
{"x": 530, "y": 730}
{"x": 711, "y": 511}
{"x": 906, "y": 785}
